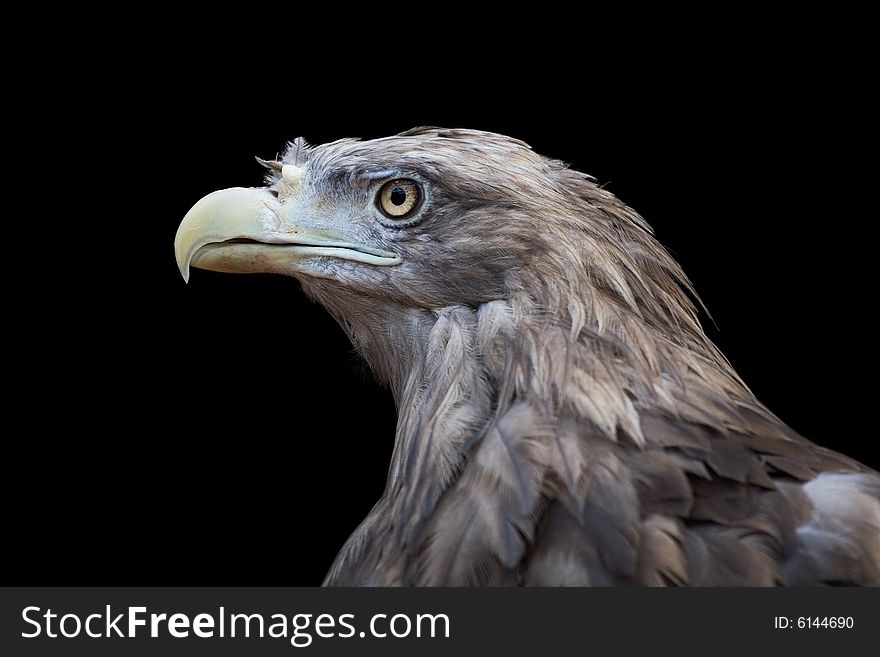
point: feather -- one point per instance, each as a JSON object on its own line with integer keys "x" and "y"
{"x": 569, "y": 459}
{"x": 727, "y": 556}
{"x": 841, "y": 542}
{"x": 565, "y": 554}
{"x": 790, "y": 467}
{"x": 488, "y": 516}
{"x": 661, "y": 483}
{"x": 673, "y": 433}
{"x": 610, "y": 513}
{"x": 661, "y": 558}
{"x": 758, "y": 476}
{"x": 731, "y": 459}
{"x": 721, "y": 502}
{"x": 777, "y": 446}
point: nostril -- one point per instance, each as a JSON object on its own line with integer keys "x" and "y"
{"x": 273, "y": 192}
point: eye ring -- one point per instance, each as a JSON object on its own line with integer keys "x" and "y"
{"x": 399, "y": 198}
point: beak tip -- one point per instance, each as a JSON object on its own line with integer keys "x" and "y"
{"x": 183, "y": 268}
{"x": 181, "y": 258}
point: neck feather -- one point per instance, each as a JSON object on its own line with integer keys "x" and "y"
{"x": 454, "y": 370}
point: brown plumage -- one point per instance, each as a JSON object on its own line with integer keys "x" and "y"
{"x": 563, "y": 419}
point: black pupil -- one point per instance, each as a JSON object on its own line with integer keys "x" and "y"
{"x": 398, "y": 196}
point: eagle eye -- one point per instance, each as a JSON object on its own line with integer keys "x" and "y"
{"x": 399, "y": 198}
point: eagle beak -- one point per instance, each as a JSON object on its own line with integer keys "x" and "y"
{"x": 244, "y": 230}
{"x": 228, "y": 214}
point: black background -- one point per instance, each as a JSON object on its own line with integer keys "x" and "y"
{"x": 224, "y": 432}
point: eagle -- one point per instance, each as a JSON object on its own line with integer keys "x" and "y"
{"x": 563, "y": 420}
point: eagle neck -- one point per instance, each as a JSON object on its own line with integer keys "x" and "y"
{"x": 444, "y": 401}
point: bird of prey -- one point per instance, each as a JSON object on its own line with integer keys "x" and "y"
{"x": 562, "y": 418}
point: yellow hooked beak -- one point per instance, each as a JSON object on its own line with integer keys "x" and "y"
{"x": 247, "y": 230}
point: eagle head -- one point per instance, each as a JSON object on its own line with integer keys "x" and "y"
{"x": 436, "y": 218}
{"x": 427, "y": 218}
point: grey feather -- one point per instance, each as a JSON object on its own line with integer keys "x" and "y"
{"x": 486, "y": 519}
